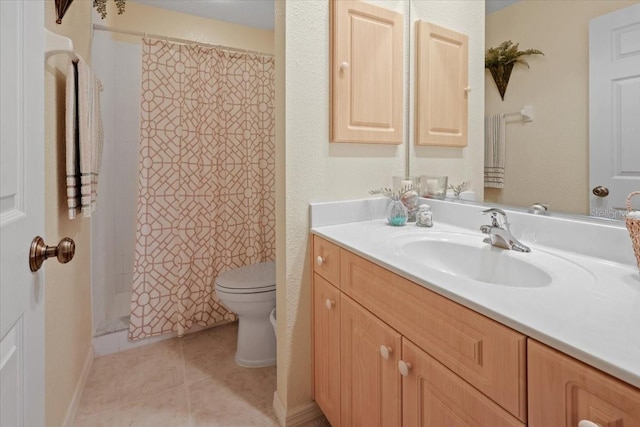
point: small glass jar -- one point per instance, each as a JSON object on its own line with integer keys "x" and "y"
{"x": 424, "y": 217}
{"x": 397, "y": 213}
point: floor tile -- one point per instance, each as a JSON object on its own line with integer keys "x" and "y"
{"x": 238, "y": 398}
{"x": 128, "y": 376}
{"x": 209, "y": 352}
{"x": 181, "y": 382}
{"x": 167, "y": 409}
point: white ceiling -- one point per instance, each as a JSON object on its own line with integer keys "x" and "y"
{"x": 493, "y": 5}
{"x": 253, "y": 13}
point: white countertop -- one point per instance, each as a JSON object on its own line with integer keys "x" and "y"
{"x": 594, "y": 318}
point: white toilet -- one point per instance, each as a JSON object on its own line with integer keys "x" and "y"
{"x": 250, "y": 292}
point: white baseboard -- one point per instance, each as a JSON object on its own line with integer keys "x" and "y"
{"x": 69, "y": 419}
{"x": 298, "y": 417}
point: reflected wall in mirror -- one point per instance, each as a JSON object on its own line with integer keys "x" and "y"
{"x": 547, "y": 160}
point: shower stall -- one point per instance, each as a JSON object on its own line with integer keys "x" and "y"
{"x": 118, "y": 64}
{"x": 186, "y": 188}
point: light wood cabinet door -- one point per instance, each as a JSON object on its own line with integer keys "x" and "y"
{"x": 441, "y": 85}
{"x": 326, "y": 348}
{"x": 367, "y": 84}
{"x": 563, "y": 392}
{"x": 433, "y": 396}
{"x": 369, "y": 377}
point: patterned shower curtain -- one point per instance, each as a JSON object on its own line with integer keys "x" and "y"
{"x": 206, "y": 186}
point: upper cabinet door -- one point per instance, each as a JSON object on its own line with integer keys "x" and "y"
{"x": 366, "y": 73}
{"x": 441, "y": 86}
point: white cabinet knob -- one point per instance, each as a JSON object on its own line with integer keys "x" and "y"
{"x": 587, "y": 423}
{"x": 467, "y": 89}
{"x": 385, "y": 352}
{"x": 404, "y": 368}
{"x": 344, "y": 65}
{"x": 319, "y": 260}
{"x": 329, "y": 303}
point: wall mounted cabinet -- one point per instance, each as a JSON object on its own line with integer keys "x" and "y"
{"x": 441, "y": 86}
{"x": 367, "y": 86}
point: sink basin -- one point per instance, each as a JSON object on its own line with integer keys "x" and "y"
{"x": 468, "y": 257}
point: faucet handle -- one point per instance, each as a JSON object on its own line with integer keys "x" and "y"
{"x": 494, "y": 211}
{"x": 494, "y": 217}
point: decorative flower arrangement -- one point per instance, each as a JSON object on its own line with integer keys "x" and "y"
{"x": 397, "y": 213}
{"x": 457, "y": 189}
{"x": 101, "y": 7}
{"x": 500, "y": 61}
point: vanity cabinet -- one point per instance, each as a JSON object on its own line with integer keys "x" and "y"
{"x": 455, "y": 360}
{"x": 367, "y": 84}
{"x": 564, "y": 392}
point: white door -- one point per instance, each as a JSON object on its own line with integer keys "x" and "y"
{"x": 21, "y": 212}
{"x": 614, "y": 110}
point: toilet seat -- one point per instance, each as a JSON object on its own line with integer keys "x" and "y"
{"x": 249, "y": 279}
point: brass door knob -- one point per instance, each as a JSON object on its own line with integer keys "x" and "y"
{"x": 600, "y": 191}
{"x": 40, "y": 252}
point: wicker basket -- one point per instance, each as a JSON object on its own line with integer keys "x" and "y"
{"x": 633, "y": 225}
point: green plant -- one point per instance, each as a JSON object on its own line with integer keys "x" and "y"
{"x": 101, "y": 7}
{"x": 507, "y": 53}
{"x": 500, "y": 61}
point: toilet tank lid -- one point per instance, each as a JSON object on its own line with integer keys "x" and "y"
{"x": 254, "y": 276}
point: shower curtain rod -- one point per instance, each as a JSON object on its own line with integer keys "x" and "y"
{"x": 174, "y": 39}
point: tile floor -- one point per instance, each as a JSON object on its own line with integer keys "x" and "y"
{"x": 191, "y": 381}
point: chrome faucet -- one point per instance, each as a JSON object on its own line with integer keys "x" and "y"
{"x": 500, "y": 233}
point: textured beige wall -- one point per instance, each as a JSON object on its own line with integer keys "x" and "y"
{"x": 459, "y": 164}
{"x": 547, "y": 159}
{"x": 67, "y": 287}
{"x": 162, "y": 22}
{"x": 315, "y": 171}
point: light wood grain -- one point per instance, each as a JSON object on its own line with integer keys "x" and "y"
{"x": 433, "y": 396}
{"x": 564, "y": 391}
{"x": 366, "y": 72}
{"x": 326, "y": 349}
{"x": 488, "y": 355}
{"x": 441, "y": 99}
{"x": 329, "y": 268}
{"x": 370, "y": 384}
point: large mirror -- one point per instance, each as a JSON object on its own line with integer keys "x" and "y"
{"x": 547, "y": 159}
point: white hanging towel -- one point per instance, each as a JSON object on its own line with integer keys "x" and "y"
{"x": 494, "y": 151}
{"x": 84, "y": 138}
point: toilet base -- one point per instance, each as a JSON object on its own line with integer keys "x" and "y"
{"x": 256, "y": 346}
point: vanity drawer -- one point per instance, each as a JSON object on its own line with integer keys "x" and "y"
{"x": 564, "y": 391}
{"x": 326, "y": 260}
{"x": 488, "y": 355}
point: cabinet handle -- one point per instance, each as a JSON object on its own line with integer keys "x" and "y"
{"x": 404, "y": 368}
{"x": 329, "y": 303}
{"x": 344, "y": 65}
{"x": 467, "y": 89}
{"x": 587, "y": 423}
{"x": 319, "y": 260}
{"x": 385, "y": 352}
